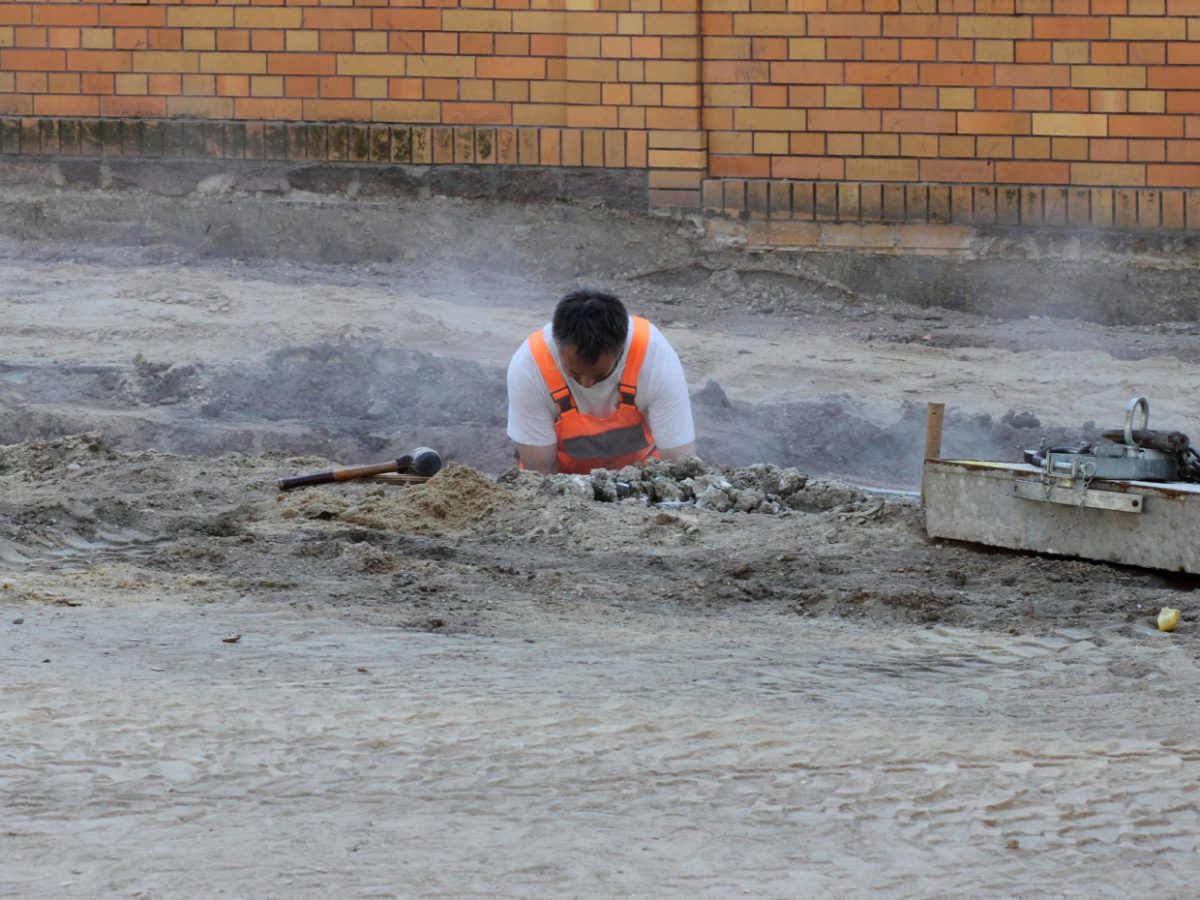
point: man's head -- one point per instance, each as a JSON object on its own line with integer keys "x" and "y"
{"x": 590, "y": 328}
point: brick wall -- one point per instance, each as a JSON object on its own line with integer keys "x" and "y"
{"x": 1013, "y": 111}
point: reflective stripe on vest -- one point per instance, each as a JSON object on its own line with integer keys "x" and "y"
{"x": 592, "y": 442}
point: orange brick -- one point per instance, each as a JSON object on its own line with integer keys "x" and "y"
{"x": 302, "y": 64}
{"x": 1173, "y": 175}
{"x": 1145, "y": 126}
{"x": 816, "y": 168}
{"x": 34, "y": 60}
{"x": 477, "y": 113}
{"x": 65, "y": 105}
{"x": 970, "y": 171}
{"x": 891, "y": 73}
{"x": 151, "y": 107}
{"x": 99, "y": 60}
{"x": 1074, "y": 28}
{"x": 1033, "y": 172}
{"x": 844, "y": 120}
{"x": 1172, "y": 77}
{"x": 76, "y": 14}
{"x": 955, "y": 73}
{"x": 918, "y": 121}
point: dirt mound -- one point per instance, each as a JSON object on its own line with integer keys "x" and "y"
{"x": 454, "y": 500}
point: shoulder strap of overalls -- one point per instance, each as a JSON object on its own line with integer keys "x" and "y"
{"x": 555, "y": 383}
{"x": 633, "y": 362}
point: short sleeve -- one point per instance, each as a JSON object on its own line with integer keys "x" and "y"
{"x": 530, "y": 410}
{"x": 668, "y": 406}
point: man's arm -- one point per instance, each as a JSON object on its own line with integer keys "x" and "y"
{"x": 539, "y": 459}
{"x": 683, "y": 450}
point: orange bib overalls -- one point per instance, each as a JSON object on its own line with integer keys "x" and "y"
{"x": 591, "y": 442}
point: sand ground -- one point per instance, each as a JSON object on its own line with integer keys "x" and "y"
{"x": 498, "y": 686}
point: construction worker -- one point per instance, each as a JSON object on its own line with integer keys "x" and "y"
{"x": 597, "y": 388}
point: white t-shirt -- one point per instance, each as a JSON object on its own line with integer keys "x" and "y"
{"x": 662, "y": 394}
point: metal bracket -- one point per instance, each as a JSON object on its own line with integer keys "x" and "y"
{"x": 1116, "y": 501}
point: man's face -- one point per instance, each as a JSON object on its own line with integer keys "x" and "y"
{"x": 587, "y": 373}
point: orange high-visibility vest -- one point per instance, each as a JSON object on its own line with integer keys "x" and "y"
{"x": 591, "y": 442}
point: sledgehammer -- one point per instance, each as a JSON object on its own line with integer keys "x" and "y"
{"x": 422, "y": 462}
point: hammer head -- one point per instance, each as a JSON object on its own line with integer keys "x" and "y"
{"x": 423, "y": 461}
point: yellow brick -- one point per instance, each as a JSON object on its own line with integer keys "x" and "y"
{"x": 670, "y": 23}
{"x": 1069, "y": 148}
{"x": 1070, "y": 52}
{"x": 90, "y": 38}
{"x": 681, "y": 47}
{"x": 1084, "y": 124}
{"x": 126, "y": 83}
{"x": 201, "y": 107}
{"x": 737, "y": 143}
{"x": 727, "y": 48}
{"x": 994, "y": 51}
{"x": 512, "y": 91}
{"x": 589, "y": 23}
{"x": 995, "y": 27}
{"x": 804, "y": 48}
{"x": 199, "y": 17}
{"x": 770, "y": 119}
{"x": 881, "y": 145}
{"x": 581, "y": 4}
{"x": 631, "y": 70}
{"x": 881, "y": 169}
{"x": 537, "y": 22}
{"x": 1108, "y": 101}
{"x": 370, "y": 42}
{"x": 377, "y": 89}
{"x": 994, "y": 146}
{"x": 381, "y": 65}
{"x": 547, "y": 91}
{"x": 304, "y": 41}
{"x": 266, "y": 86}
{"x": 957, "y": 146}
{"x": 258, "y": 17}
{"x": 956, "y": 98}
{"x": 583, "y": 92}
{"x": 844, "y": 96}
{"x": 1105, "y": 174}
{"x": 681, "y": 95}
{"x": 678, "y": 159}
{"x": 1031, "y": 147}
{"x": 405, "y": 111}
{"x": 233, "y": 63}
{"x": 676, "y": 140}
{"x": 844, "y": 144}
{"x": 724, "y": 95}
{"x": 199, "y": 39}
{"x": 583, "y": 45}
{"x": 1132, "y": 28}
{"x": 651, "y": 95}
{"x": 1108, "y": 76}
{"x": 919, "y": 145}
{"x": 6, "y": 37}
{"x": 1147, "y": 101}
{"x": 604, "y": 70}
{"x": 630, "y": 23}
{"x": 540, "y": 114}
{"x": 1147, "y": 8}
{"x": 631, "y": 118}
{"x": 787, "y": 24}
{"x": 477, "y": 20}
{"x": 156, "y": 61}
{"x": 431, "y": 66}
{"x": 672, "y": 72}
{"x": 716, "y": 119}
{"x": 770, "y": 143}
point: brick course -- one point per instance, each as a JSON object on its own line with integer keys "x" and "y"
{"x": 875, "y": 111}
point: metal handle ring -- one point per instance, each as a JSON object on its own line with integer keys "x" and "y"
{"x": 1134, "y": 403}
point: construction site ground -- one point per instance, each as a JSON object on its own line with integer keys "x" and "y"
{"x": 495, "y": 684}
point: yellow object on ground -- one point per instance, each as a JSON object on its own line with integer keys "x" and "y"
{"x": 1167, "y": 619}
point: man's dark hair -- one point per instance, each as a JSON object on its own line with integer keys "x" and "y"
{"x": 592, "y": 322}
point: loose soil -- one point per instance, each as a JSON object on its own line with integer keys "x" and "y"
{"x": 753, "y": 674}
